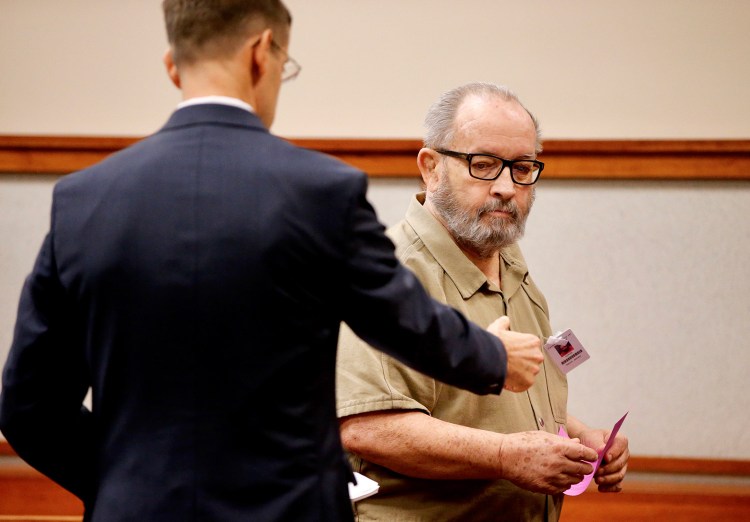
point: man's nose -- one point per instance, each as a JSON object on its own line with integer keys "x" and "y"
{"x": 503, "y": 185}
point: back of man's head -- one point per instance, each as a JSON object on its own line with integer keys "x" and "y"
{"x": 209, "y": 29}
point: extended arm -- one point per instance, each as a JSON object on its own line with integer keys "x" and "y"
{"x": 415, "y": 444}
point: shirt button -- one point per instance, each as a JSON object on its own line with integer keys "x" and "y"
{"x": 541, "y": 422}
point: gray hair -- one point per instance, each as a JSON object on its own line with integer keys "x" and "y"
{"x": 440, "y": 119}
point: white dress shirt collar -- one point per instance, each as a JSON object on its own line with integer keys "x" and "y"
{"x": 221, "y": 100}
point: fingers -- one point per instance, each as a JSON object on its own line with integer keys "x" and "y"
{"x": 614, "y": 466}
{"x": 574, "y": 450}
{"x": 521, "y": 375}
{"x": 577, "y": 452}
{"x": 523, "y": 352}
{"x": 619, "y": 452}
{"x": 611, "y": 483}
{"x": 616, "y": 459}
{"x": 610, "y": 475}
{"x": 543, "y": 462}
{"x": 563, "y": 481}
{"x": 500, "y": 324}
{"x": 578, "y": 469}
{"x": 524, "y": 360}
{"x": 520, "y": 379}
{"x": 536, "y": 354}
{"x": 611, "y": 478}
{"x": 579, "y": 459}
{"x": 610, "y": 489}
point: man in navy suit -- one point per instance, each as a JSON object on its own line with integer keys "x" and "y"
{"x": 195, "y": 282}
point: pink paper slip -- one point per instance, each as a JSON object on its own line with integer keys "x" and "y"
{"x": 577, "y": 489}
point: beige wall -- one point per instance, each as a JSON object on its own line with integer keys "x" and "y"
{"x": 652, "y": 276}
{"x": 588, "y": 68}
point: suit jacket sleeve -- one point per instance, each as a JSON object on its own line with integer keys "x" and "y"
{"x": 387, "y": 307}
{"x": 45, "y": 382}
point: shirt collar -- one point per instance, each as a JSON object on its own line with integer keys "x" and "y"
{"x": 465, "y": 274}
{"x": 220, "y": 100}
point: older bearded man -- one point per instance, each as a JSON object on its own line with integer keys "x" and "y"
{"x": 495, "y": 458}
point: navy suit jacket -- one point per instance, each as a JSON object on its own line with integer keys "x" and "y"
{"x": 196, "y": 282}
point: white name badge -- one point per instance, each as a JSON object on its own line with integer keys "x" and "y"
{"x": 566, "y": 350}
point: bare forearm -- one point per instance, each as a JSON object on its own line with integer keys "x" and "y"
{"x": 417, "y": 445}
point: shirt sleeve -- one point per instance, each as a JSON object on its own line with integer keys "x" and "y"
{"x": 368, "y": 380}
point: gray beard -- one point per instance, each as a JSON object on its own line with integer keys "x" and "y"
{"x": 481, "y": 236}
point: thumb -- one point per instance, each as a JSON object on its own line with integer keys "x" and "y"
{"x": 503, "y": 322}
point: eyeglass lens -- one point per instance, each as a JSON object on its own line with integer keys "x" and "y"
{"x": 487, "y": 167}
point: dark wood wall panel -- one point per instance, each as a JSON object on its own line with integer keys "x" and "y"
{"x": 565, "y": 159}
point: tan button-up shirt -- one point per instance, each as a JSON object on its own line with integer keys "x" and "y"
{"x": 371, "y": 381}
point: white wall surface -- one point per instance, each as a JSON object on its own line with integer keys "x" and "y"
{"x": 652, "y": 276}
{"x": 587, "y": 68}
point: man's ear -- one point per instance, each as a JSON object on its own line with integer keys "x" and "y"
{"x": 427, "y": 161}
{"x": 259, "y": 52}
{"x": 172, "y": 71}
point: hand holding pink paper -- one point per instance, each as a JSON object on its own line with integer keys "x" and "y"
{"x": 579, "y": 488}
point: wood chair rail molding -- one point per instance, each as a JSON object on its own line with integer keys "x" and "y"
{"x": 672, "y": 465}
{"x": 396, "y": 158}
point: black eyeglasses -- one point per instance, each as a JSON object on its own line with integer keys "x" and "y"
{"x": 291, "y": 67}
{"x": 489, "y": 167}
